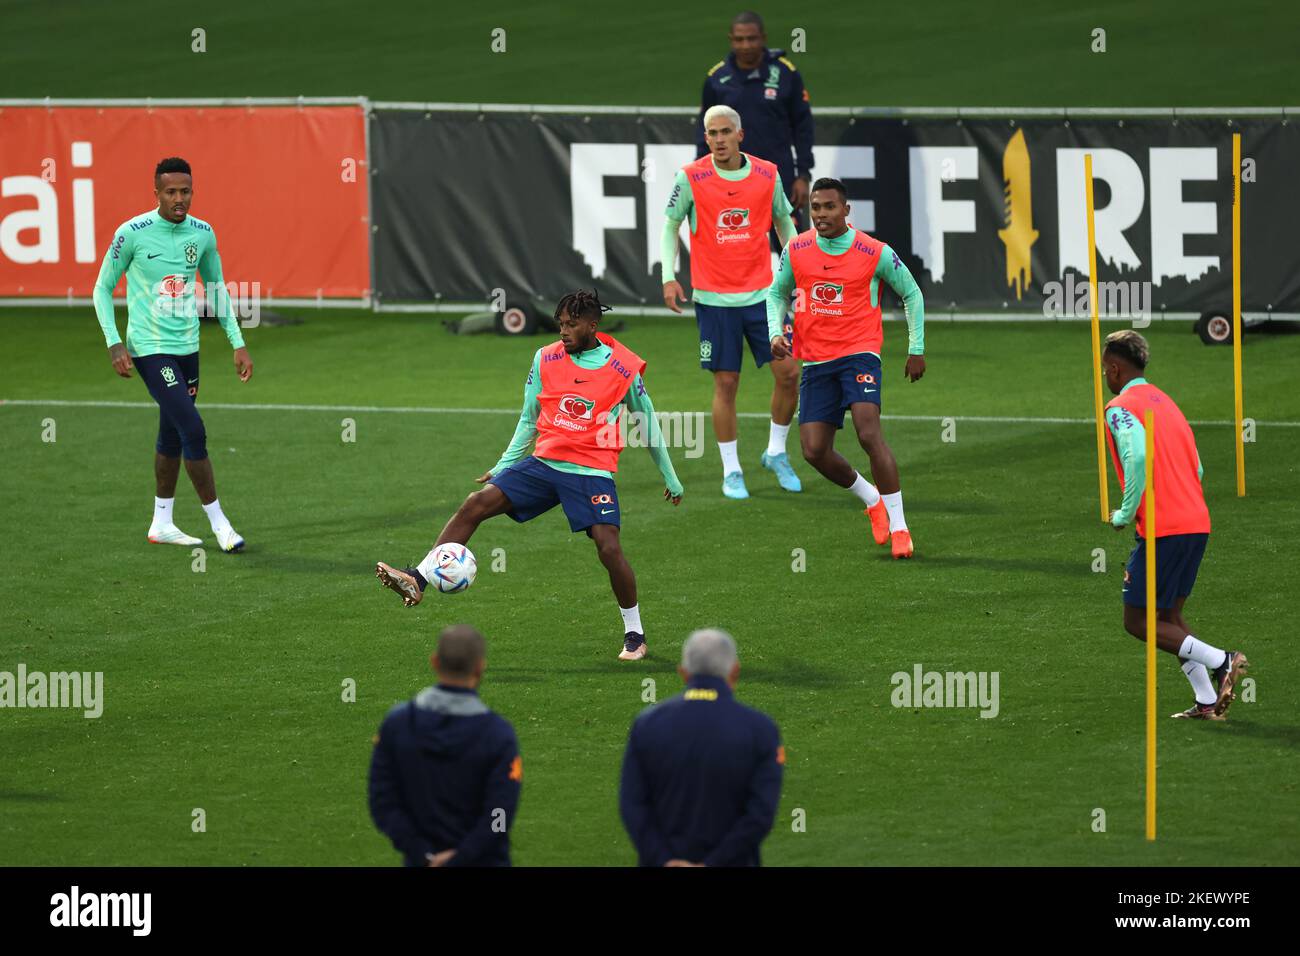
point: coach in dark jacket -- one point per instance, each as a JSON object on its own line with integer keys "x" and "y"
{"x": 702, "y": 772}
{"x": 445, "y": 775}
{"x": 767, "y": 91}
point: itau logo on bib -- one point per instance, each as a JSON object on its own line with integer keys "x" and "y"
{"x": 733, "y": 219}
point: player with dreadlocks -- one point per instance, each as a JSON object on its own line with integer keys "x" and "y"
{"x": 576, "y": 391}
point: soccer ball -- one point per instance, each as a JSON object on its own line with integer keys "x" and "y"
{"x": 454, "y": 568}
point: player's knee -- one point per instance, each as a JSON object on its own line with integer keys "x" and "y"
{"x": 813, "y": 452}
{"x": 475, "y": 505}
{"x": 608, "y": 549}
{"x": 869, "y": 435}
{"x": 725, "y": 384}
{"x": 194, "y": 440}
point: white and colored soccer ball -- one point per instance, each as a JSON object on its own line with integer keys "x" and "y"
{"x": 454, "y": 568}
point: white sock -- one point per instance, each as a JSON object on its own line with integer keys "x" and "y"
{"x": 428, "y": 566}
{"x": 866, "y": 491}
{"x": 631, "y": 619}
{"x": 216, "y": 517}
{"x": 1202, "y": 653}
{"x": 1200, "y": 681}
{"x": 730, "y": 458}
{"x": 162, "y": 512}
{"x": 776, "y": 436}
{"x": 894, "y": 505}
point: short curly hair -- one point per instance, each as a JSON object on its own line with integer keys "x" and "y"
{"x": 1130, "y": 346}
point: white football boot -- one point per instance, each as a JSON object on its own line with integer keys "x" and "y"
{"x": 228, "y": 540}
{"x": 170, "y": 534}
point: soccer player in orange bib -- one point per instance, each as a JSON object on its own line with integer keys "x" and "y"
{"x": 732, "y": 200}
{"x": 835, "y": 272}
{"x": 1182, "y": 521}
{"x": 576, "y": 391}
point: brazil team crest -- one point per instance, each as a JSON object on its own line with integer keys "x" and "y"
{"x": 706, "y": 350}
{"x": 191, "y": 253}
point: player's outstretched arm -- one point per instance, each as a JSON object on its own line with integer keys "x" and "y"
{"x": 778, "y": 302}
{"x": 116, "y": 259}
{"x": 214, "y": 284}
{"x": 679, "y": 207}
{"x": 781, "y": 209}
{"x": 526, "y": 428}
{"x": 1131, "y": 443}
{"x": 639, "y": 404}
{"x": 900, "y": 279}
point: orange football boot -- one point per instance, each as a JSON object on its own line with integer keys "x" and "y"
{"x": 879, "y": 516}
{"x": 901, "y": 542}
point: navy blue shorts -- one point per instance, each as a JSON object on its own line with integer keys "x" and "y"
{"x": 827, "y": 389}
{"x": 173, "y": 381}
{"x": 724, "y": 330}
{"x": 1178, "y": 558}
{"x": 534, "y": 488}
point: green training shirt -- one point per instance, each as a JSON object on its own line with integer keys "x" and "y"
{"x": 891, "y": 269}
{"x": 161, "y": 259}
{"x": 637, "y": 399}
{"x": 681, "y": 206}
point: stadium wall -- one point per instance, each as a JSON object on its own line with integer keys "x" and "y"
{"x": 471, "y": 201}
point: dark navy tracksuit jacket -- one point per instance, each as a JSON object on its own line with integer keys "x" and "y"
{"x": 701, "y": 778}
{"x": 446, "y": 773}
{"x": 773, "y": 108}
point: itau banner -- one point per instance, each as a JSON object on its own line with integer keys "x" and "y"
{"x": 284, "y": 189}
{"x": 989, "y": 214}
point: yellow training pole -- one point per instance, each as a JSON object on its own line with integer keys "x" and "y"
{"x": 1151, "y": 622}
{"x": 1236, "y": 310}
{"x": 1096, "y": 339}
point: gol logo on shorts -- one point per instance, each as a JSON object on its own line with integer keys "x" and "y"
{"x": 601, "y": 500}
{"x": 866, "y": 378}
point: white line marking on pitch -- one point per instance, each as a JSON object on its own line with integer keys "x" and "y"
{"x": 434, "y": 410}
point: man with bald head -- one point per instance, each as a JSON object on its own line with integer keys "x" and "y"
{"x": 446, "y": 773}
{"x": 702, "y": 772}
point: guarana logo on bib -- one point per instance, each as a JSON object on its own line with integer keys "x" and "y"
{"x": 575, "y": 406}
{"x": 831, "y": 293}
{"x": 733, "y": 219}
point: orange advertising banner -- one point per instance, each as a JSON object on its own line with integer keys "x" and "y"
{"x": 283, "y": 187}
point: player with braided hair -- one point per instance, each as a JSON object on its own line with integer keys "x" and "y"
{"x": 575, "y": 393}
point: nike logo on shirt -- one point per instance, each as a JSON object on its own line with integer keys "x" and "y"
{"x": 153, "y": 255}
{"x": 581, "y": 381}
{"x": 607, "y": 511}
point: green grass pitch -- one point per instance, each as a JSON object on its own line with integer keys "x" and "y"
{"x": 223, "y": 688}
{"x": 925, "y": 52}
